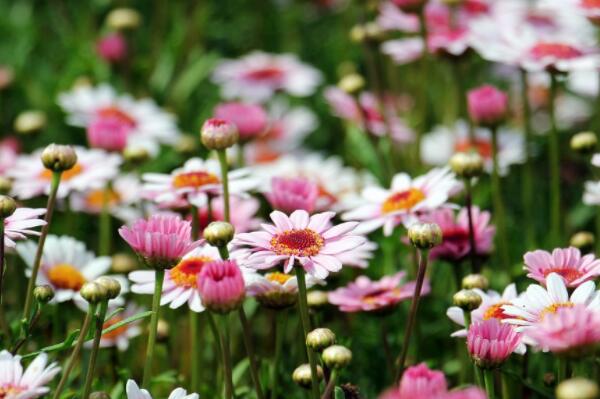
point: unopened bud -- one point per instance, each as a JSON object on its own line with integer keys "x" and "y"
{"x": 374, "y": 32}
{"x": 5, "y": 185}
{"x": 317, "y": 299}
{"x": 475, "y": 281}
{"x": 352, "y": 83}
{"x": 93, "y": 292}
{"x": 584, "y": 240}
{"x": 123, "y": 263}
{"x": 577, "y": 388}
{"x": 467, "y": 164}
{"x": 30, "y": 121}
{"x": 136, "y": 155}
{"x": 358, "y": 33}
{"x": 162, "y": 330}
{"x": 219, "y": 234}
{"x": 584, "y": 142}
{"x": 218, "y": 134}
{"x": 186, "y": 145}
{"x": 320, "y": 338}
{"x": 467, "y": 300}
{"x": 302, "y": 375}
{"x": 8, "y": 206}
{"x": 43, "y": 293}
{"x": 337, "y": 356}
{"x": 59, "y": 158}
{"x": 425, "y": 235}
{"x": 123, "y": 19}
{"x": 112, "y": 286}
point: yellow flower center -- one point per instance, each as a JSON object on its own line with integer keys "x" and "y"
{"x": 277, "y": 277}
{"x": 65, "y": 276}
{"x": 496, "y": 312}
{"x": 194, "y": 179}
{"x": 305, "y": 242}
{"x": 9, "y": 391}
{"x": 66, "y": 175}
{"x": 554, "y": 308}
{"x": 403, "y": 200}
{"x": 186, "y": 272}
{"x": 95, "y": 198}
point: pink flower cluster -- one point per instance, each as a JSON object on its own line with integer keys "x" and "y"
{"x": 490, "y": 342}
{"x": 288, "y": 195}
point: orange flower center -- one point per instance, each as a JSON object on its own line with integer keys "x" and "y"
{"x": 95, "y": 198}
{"x": 305, "y": 242}
{"x": 277, "y": 277}
{"x": 482, "y": 147}
{"x": 66, "y": 175}
{"x": 554, "y": 308}
{"x": 496, "y": 312}
{"x": 194, "y": 179}
{"x": 117, "y": 113}
{"x": 558, "y": 50}
{"x": 570, "y": 274}
{"x": 65, "y": 276}
{"x": 114, "y": 334}
{"x": 9, "y": 391}
{"x": 186, "y": 272}
{"x": 403, "y": 200}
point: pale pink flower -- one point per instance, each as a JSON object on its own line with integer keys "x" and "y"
{"x": 31, "y": 384}
{"x": 365, "y": 295}
{"x": 20, "y": 224}
{"x": 566, "y": 262}
{"x": 250, "y": 119}
{"x": 571, "y": 330}
{"x": 403, "y": 51}
{"x": 109, "y": 133}
{"x": 358, "y": 257}
{"x": 391, "y": 17}
{"x": 242, "y": 217}
{"x": 490, "y": 342}
{"x": 419, "y": 382}
{"x": 288, "y": 195}
{"x": 112, "y": 47}
{"x": 221, "y": 286}
{"x": 455, "y": 245}
{"x": 134, "y": 392}
{"x": 160, "y": 240}
{"x": 9, "y": 152}
{"x": 310, "y": 241}
{"x": 487, "y": 105}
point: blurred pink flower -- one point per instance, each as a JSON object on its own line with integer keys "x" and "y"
{"x": 109, "y": 133}
{"x": 487, "y": 105}
{"x": 20, "y": 224}
{"x": 490, "y": 342}
{"x": 221, "y": 286}
{"x": 309, "y": 241}
{"x": 112, "y": 47}
{"x": 288, "y": 195}
{"x": 566, "y": 262}
{"x": 419, "y": 382}
{"x": 243, "y": 213}
{"x": 365, "y": 295}
{"x": 9, "y": 152}
{"x": 160, "y": 240}
{"x": 251, "y": 119}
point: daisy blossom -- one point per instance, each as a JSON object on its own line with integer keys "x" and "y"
{"x": 490, "y": 343}
{"x": 403, "y": 201}
{"x": 275, "y": 290}
{"x": 360, "y": 256}
{"x": 16, "y": 384}
{"x": 310, "y": 241}
{"x": 419, "y": 382}
{"x": 243, "y": 213}
{"x": 94, "y": 168}
{"x": 591, "y": 195}
{"x": 134, "y": 392}
{"x": 566, "y": 262}
{"x": 20, "y": 224}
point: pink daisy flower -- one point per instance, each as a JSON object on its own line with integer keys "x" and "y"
{"x": 466, "y": 393}
{"x": 490, "y": 342}
{"x": 566, "y": 262}
{"x": 455, "y": 245}
{"x": 359, "y": 257}
{"x": 287, "y": 195}
{"x": 112, "y": 47}
{"x": 31, "y": 384}
{"x": 419, "y": 382}
{"x": 251, "y": 120}
{"x": 20, "y": 224}
{"x": 365, "y": 295}
{"x": 221, "y": 286}
{"x": 9, "y": 153}
{"x": 243, "y": 213}
{"x": 404, "y": 201}
{"x": 310, "y": 241}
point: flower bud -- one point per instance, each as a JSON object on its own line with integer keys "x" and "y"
{"x": 8, "y": 206}
{"x": 99, "y": 395}
{"x": 584, "y": 240}
{"x": 425, "y": 235}
{"x": 467, "y": 164}
{"x": 7, "y": 76}
{"x": 352, "y": 83}
{"x": 30, "y": 121}
{"x": 221, "y": 286}
{"x": 59, "y": 158}
{"x": 584, "y": 142}
{"x": 337, "y": 356}
{"x": 135, "y": 155}
{"x": 317, "y": 299}
{"x": 93, "y": 292}
{"x": 218, "y": 134}
{"x": 302, "y": 375}
{"x": 123, "y": 19}
{"x": 5, "y": 185}
{"x": 358, "y": 33}
{"x": 43, "y": 293}
{"x": 186, "y": 145}
{"x": 475, "y": 281}
{"x": 374, "y": 32}
{"x": 123, "y": 263}
{"x": 319, "y": 339}
{"x": 111, "y": 285}
{"x": 467, "y": 300}
{"x": 162, "y": 330}
{"x": 219, "y": 234}
{"x": 577, "y": 388}
{"x": 487, "y": 105}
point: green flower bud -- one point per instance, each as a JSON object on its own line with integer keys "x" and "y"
{"x": 352, "y": 83}
{"x": 584, "y": 142}
{"x": 467, "y": 300}
{"x": 317, "y": 299}
{"x": 135, "y": 155}
{"x": 30, "y": 122}
{"x": 425, "y": 235}
{"x": 337, "y": 356}
{"x": 320, "y": 338}
{"x": 218, "y": 134}
{"x": 93, "y": 292}
{"x": 219, "y": 234}
{"x": 475, "y": 281}
{"x": 8, "y": 206}
{"x": 123, "y": 19}
{"x": 583, "y": 240}
{"x": 124, "y": 263}
{"x": 467, "y": 164}
{"x": 577, "y": 388}
{"x": 302, "y": 375}
{"x": 43, "y": 293}
{"x": 111, "y": 285}
{"x": 5, "y": 185}
{"x": 59, "y": 158}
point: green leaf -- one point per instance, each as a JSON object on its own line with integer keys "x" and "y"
{"x": 191, "y": 77}
{"x": 339, "y": 393}
{"x": 239, "y": 370}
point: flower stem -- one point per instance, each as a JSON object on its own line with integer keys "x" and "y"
{"x": 247, "y": 335}
{"x": 1, "y": 258}
{"x": 224, "y": 177}
{"x": 554, "y": 159}
{"x": 194, "y": 348}
{"x": 499, "y": 216}
{"x": 105, "y": 222}
{"x": 158, "y": 284}
{"x": 527, "y": 188}
{"x": 413, "y": 312}
{"x": 89, "y": 378}
{"x": 216, "y": 335}
{"x": 224, "y": 338}
{"x": 488, "y": 377}
{"x": 279, "y": 333}
{"x": 303, "y": 306}
{"x": 469, "y": 206}
{"x": 330, "y": 385}
{"x": 561, "y": 372}
{"x": 26, "y": 332}
{"x": 506, "y": 391}
{"x": 78, "y": 345}
{"x": 425, "y": 82}
{"x": 40, "y": 248}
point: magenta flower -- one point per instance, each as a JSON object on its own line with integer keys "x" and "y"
{"x": 20, "y": 224}
{"x": 419, "y": 382}
{"x": 487, "y": 105}
{"x": 221, "y": 286}
{"x": 160, "y": 241}
{"x": 310, "y": 241}
{"x": 109, "y": 132}
{"x": 288, "y": 195}
{"x": 566, "y": 262}
{"x": 490, "y": 342}
{"x": 455, "y": 245}
{"x": 112, "y": 48}
{"x": 250, "y": 119}
{"x": 365, "y": 295}
{"x": 570, "y": 330}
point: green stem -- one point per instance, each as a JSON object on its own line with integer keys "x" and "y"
{"x": 330, "y": 385}
{"x": 224, "y": 338}
{"x": 40, "y": 248}
{"x": 303, "y": 306}
{"x": 561, "y": 372}
{"x": 554, "y": 159}
{"x": 1, "y": 258}
{"x": 279, "y": 333}
{"x": 216, "y": 335}
{"x": 89, "y": 378}
{"x": 80, "y": 340}
{"x": 499, "y": 216}
{"x": 413, "y": 312}
{"x": 26, "y": 332}
{"x": 527, "y": 188}
{"x": 425, "y": 82}
{"x": 247, "y": 335}
{"x": 194, "y": 351}
{"x": 488, "y": 377}
{"x": 224, "y": 177}
{"x": 469, "y": 206}
{"x": 105, "y": 222}
{"x": 158, "y": 284}
{"x": 506, "y": 391}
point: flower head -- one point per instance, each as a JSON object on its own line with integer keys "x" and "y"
{"x": 251, "y": 119}
{"x": 566, "y": 262}
{"x": 419, "y": 382}
{"x": 14, "y": 384}
{"x": 275, "y": 290}
{"x": 112, "y": 47}
{"x": 487, "y": 105}
{"x": 490, "y": 342}
{"x": 21, "y": 224}
{"x": 134, "y": 392}
{"x": 287, "y": 195}
{"x": 221, "y": 286}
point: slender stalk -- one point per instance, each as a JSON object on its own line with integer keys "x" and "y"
{"x": 194, "y": 351}
{"x": 330, "y": 385}
{"x": 105, "y": 227}
{"x": 241, "y": 161}
{"x": 279, "y": 333}
{"x": 488, "y": 377}
{"x": 506, "y": 391}
{"x": 247, "y": 335}
{"x": 195, "y": 222}
{"x": 561, "y": 371}
{"x": 224, "y": 338}
{"x": 26, "y": 332}
{"x": 527, "y": 188}
{"x": 387, "y": 349}
{"x": 499, "y": 216}
{"x": 554, "y": 159}
{"x": 413, "y": 312}
{"x": 303, "y": 306}
{"x": 469, "y": 205}
{"x": 80, "y": 340}
{"x": 40, "y": 248}
{"x": 158, "y": 284}
{"x": 216, "y": 335}
{"x": 1, "y": 258}
{"x": 89, "y": 378}
{"x": 424, "y": 84}
{"x": 224, "y": 168}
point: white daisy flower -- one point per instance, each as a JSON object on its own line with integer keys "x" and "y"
{"x": 134, "y": 392}
{"x": 16, "y": 384}
{"x": 591, "y": 195}
{"x": 276, "y": 290}
{"x": 20, "y": 224}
